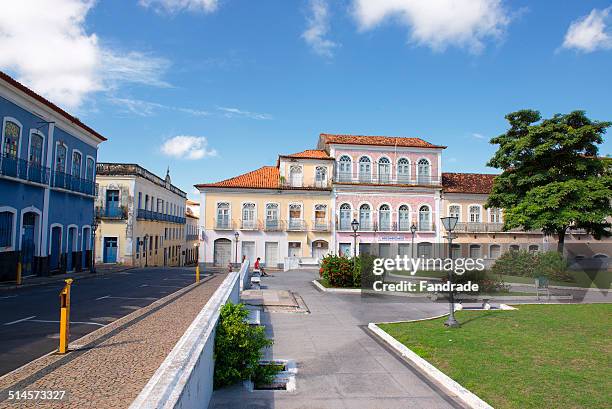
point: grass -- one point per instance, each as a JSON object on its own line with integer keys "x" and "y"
{"x": 540, "y": 356}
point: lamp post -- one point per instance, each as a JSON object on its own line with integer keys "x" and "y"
{"x": 94, "y": 227}
{"x": 449, "y": 224}
{"x": 355, "y": 227}
{"x": 413, "y": 230}
{"x": 236, "y": 235}
{"x": 146, "y": 249}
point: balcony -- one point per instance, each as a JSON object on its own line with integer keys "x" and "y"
{"x": 473, "y": 227}
{"x": 66, "y": 181}
{"x": 22, "y": 169}
{"x": 191, "y": 237}
{"x": 223, "y": 224}
{"x": 112, "y": 213}
{"x": 273, "y": 225}
{"x": 144, "y": 214}
{"x": 296, "y": 225}
{"x": 385, "y": 179}
{"x": 249, "y": 225}
{"x": 315, "y": 184}
{"x": 320, "y": 225}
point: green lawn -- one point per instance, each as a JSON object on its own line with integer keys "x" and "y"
{"x": 540, "y": 356}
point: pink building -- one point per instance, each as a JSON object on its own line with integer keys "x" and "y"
{"x": 391, "y": 186}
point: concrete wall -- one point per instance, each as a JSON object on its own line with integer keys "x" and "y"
{"x": 185, "y": 378}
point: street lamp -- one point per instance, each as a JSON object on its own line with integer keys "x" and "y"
{"x": 449, "y": 224}
{"x": 355, "y": 227}
{"x": 94, "y": 226}
{"x": 413, "y": 230}
{"x": 236, "y": 235}
{"x": 145, "y": 244}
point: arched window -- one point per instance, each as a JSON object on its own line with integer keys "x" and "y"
{"x": 384, "y": 218}
{"x": 89, "y": 169}
{"x": 295, "y": 217}
{"x": 321, "y": 176}
{"x": 248, "y": 215}
{"x": 76, "y": 164}
{"x": 423, "y": 171}
{"x": 36, "y": 150}
{"x": 365, "y": 169}
{"x": 10, "y": 145}
{"x": 403, "y": 171}
{"x": 6, "y": 228}
{"x": 320, "y": 220}
{"x": 424, "y": 218}
{"x": 404, "y": 218}
{"x": 365, "y": 217}
{"x": 495, "y": 215}
{"x": 60, "y": 158}
{"x": 223, "y": 215}
{"x": 295, "y": 176}
{"x": 474, "y": 214}
{"x": 345, "y": 217}
{"x": 455, "y": 211}
{"x": 272, "y": 222}
{"x": 384, "y": 170}
{"x": 494, "y": 251}
{"x": 345, "y": 169}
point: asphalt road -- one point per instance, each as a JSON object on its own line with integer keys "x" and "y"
{"x": 29, "y": 317}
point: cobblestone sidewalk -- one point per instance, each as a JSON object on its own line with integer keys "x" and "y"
{"x": 110, "y": 367}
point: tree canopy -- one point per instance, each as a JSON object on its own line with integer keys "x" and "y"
{"x": 552, "y": 177}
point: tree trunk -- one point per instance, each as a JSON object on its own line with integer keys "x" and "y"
{"x": 561, "y": 242}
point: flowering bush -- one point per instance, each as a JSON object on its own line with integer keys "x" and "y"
{"x": 338, "y": 271}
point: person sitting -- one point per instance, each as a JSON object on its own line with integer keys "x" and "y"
{"x": 258, "y": 266}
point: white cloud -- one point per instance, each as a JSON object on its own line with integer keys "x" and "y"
{"x": 318, "y": 27}
{"x": 187, "y": 147}
{"x": 590, "y": 33}
{"x": 438, "y": 23}
{"x": 235, "y": 112}
{"x": 478, "y": 136}
{"x": 148, "y": 108}
{"x": 45, "y": 45}
{"x": 176, "y": 6}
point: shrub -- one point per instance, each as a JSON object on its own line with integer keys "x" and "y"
{"x": 485, "y": 284}
{"x": 515, "y": 263}
{"x": 337, "y": 270}
{"x": 238, "y": 347}
{"x": 522, "y": 263}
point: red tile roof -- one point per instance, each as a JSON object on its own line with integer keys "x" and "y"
{"x": 377, "y": 140}
{"x": 309, "y": 154}
{"x": 479, "y": 183}
{"x": 50, "y": 104}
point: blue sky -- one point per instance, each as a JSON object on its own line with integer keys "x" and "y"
{"x": 259, "y": 78}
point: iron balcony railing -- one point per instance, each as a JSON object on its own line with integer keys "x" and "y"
{"x": 296, "y": 225}
{"x": 144, "y": 214}
{"x": 249, "y": 225}
{"x": 386, "y": 179}
{"x": 223, "y": 224}
{"x": 191, "y": 237}
{"x": 385, "y": 227}
{"x": 320, "y": 225}
{"x": 22, "y": 169}
{"x": 274, "y": 225}
{"x": 315, "y": 184}
{"x": 111, "y": 212}
{"x": 67, "y": 181}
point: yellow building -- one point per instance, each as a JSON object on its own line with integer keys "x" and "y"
{"x": 280, "y": 213}
{"x": 141, "y": 217}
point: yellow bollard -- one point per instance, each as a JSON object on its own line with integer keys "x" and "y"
{"x": 19, "y": 272}
{"x": 65, "y": 317}
{"x": 197, "y": 274}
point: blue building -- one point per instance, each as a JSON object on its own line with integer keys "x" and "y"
{"x": 47, "y": 185}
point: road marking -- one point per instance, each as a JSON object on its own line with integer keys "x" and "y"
{"x": 132, "y": 298}
{"x": 102, "y": 298}
{"x": 72, "y": 322}
{"x": 161, "y": 286}
{"x": 21, "y": 320}
{"x": 8, "y": 296}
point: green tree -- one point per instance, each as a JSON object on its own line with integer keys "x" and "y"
{"x": 552, "y": 178}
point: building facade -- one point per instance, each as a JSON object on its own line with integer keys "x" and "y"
{"x": 141, "y": 217}
{"x": 47, "y": 185}
{"x": 393, "y": 187}
{"x": 192, "y": 238}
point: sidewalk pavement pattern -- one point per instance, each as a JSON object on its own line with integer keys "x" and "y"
{"x": 110, "y": 367}
{"x": 339, "y": 363}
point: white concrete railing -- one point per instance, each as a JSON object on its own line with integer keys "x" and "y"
{"x": 185, "y": 378}
{"x": 245, "y": 277}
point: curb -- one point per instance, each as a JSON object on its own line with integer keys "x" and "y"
{"x": 320, "y": 287}
{"x": 456, "y": 390}
{"x": 89, "y": 340}
{"x": 61, "y": 279}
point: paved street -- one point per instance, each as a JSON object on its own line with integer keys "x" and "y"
{"x": 29, "y": 317}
